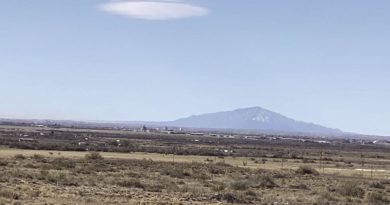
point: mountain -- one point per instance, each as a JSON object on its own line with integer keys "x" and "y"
{"x": 254, "y": 118}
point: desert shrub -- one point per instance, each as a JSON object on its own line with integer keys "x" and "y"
{"x": 299, "y": 186}
{"x": 85, "y": 170}
{"x": 62, "y": 179}
{"x": 94, "y": 156}
{"x": 385, "y": 181}
{"x": 278, "y": 155}
{"x": 295, "y": 155}
{"x": 63, "y": 163}
{"x": 218, "y": 186}
{"x": 351, "y": 189}
{"x": 250, "y": 193}
{"x": 3, "y": 163}
{"x": 223, "y": 164}
{"x": 154, "y": 188}
{"x": 133, "y": 174}
{"x": 377, "y": 198}
{"x": 304, "y": 170}
{"x": 170, "y": 186}
{"x": 209, "y": 160}
{"x": 325, "y": 198}
{"x": 175, "y": 172}
{"x": 279, "y": 175}
{"x": 240, "y": 185}
{"x": 9, "y": 194}
{"x": 377, "y": 185}
{"x": 200, "y": 174}
{"x": 131, "y": 183}
{"x": 38, "y": 157}
{"x": 30, "y": 165}
{"x": 266, "y": 181}
{"x": 328, "y": 159}
{"x": 43, "y": 174}
{"x": 165, "y": 183}
{"x": 215, "y": 169}
{"x": 20, "y": 174}
{"x": 228, "y": 197}
{"x": 306, "y": 161}
{"x": 380, "y": 157}
{"x": 347, "y": 162}
{"x": 231, "y": 198}
{"x": 20, "y": 157}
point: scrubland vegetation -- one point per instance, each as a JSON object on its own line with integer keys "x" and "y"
{"x": 94, "y": 180}
{"x": 251, "y": 172}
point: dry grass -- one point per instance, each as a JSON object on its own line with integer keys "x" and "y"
{"x": 255, "y": 173}
{"x": 39, "y": 179}
{"x": 235, "y": 161}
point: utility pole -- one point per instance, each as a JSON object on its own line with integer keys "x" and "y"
{"x": 173, "y": 154}
{"x": 372, "y": 170}
{"x": 321, "y": 163}
{"x": 361, "y": 158}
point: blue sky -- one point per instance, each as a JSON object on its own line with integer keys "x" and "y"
{"x": 325, "y": 62}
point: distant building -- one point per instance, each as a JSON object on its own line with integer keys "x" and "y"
{"x": 27, "y": 140}
{"x": 38, "y": 125}
{"x": 197, "y": 133}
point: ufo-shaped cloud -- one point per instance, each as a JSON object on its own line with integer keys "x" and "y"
{"x": 154, "y": 10}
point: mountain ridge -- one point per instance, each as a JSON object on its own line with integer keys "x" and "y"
{"x": 251, "y": 118}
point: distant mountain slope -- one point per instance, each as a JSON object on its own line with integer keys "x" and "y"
{"x": 254, "y": 118}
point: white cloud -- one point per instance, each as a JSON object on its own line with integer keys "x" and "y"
{"x": 153, "y": 9}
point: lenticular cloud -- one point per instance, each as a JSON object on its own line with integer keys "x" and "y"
{"x": 154, "y": 10}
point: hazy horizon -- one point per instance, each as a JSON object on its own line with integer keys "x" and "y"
{"x": 320, "y": 62}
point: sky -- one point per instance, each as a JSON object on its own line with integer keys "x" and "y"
{"x": 325, "y": 62}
